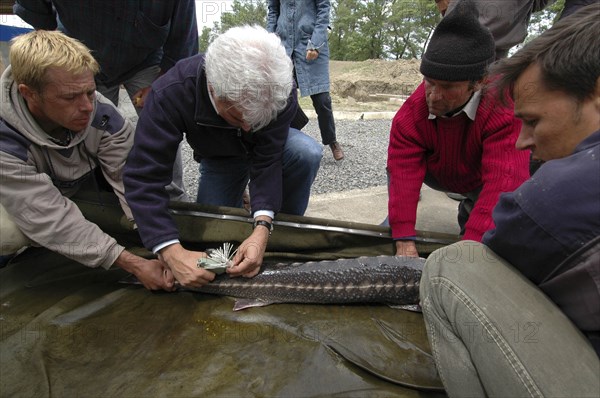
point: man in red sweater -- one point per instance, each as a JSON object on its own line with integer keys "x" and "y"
{"x": 452, "y": 134}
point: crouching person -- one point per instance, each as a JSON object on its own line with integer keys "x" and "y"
{"x": 56, "y": 135}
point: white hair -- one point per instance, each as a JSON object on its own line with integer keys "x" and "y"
{"x": 249, "y": 67}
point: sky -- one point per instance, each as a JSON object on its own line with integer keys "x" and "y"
{"x": 207, "y": 12}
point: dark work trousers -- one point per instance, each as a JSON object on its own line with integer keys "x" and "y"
{"x": 465, "y": 206}
{"x": 572, "y": 6}
{"x": 322, "y": 105}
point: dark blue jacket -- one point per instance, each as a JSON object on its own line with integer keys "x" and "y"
{"x": 124, "y": 36}
{"x": 179, "y": 104}
{"x": 547, "y": 219}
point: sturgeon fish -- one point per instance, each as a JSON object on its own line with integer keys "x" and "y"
{"x": 383, "y": 279}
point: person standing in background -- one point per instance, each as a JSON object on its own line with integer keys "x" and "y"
{"x": 507, "y": 20}
{"x": 302, "y": 27}
{"x": 133, "y": 41}
{"x": 571, "y": 6}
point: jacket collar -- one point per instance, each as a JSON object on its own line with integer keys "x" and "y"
{"x": 590, "y": 141}
{"x": 205, "y": 112}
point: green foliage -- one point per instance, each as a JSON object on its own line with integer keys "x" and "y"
{"x": 244, "y": 12}
{"x": 544, "y": 19}
{"x": 205, "y": 38}
{"x": 345, "y": 38}
{"x": 385, "y": 29}
{"x": 410, "y": 26}
{"x": 396, "y": 29}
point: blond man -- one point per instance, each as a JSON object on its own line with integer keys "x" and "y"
{"x": 58, "y": 137}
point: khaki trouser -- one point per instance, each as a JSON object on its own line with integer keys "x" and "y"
{"x": 11, "y": 237}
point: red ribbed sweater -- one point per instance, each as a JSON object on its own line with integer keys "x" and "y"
{"x": 461, "y": 154}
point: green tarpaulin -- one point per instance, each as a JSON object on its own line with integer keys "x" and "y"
{"x": 69, "y": 331}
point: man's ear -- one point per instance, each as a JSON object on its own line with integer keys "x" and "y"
{"x": 478, "y": 84}
{"x": 27, "y": 92}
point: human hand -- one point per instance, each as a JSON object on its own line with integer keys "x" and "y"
{"x": 139, "y": 98}
{"x": 312, "y": 55}
{"x": 249, "y": 256}
{"x": 156, "y": 275}
{"x": 153, "y": 274}
{"x": 184, "y": 265}
{"x": 442, "y": 6}
{"x": 406, "y": 248}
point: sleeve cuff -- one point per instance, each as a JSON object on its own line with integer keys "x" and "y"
{"x": 267, "y": 213}
{"x": 161, "y": 246}
{"x": 406, "y": 238}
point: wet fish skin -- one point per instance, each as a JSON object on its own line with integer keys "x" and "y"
{"x": 382, "y": 279}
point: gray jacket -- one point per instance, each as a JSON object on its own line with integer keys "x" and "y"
{"x": 507, "y": 20}
{"x": 302, "y": 25}
{"x": 38, "y": 176}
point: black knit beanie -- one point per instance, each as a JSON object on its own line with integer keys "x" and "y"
{"x": 460, "y": 48}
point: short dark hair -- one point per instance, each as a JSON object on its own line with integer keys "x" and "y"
{"x": 567, "y": 53}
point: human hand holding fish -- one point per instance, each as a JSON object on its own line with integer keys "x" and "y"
{"x": 217, "y": 260}
{"x": 184, "y": 265}
{"x": 153, "y": 274}
{"x": 406, "y": 248}
{"x": 250, "y": 254}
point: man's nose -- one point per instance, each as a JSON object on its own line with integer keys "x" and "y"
{"x": 86, "y": 103}
{"x": 525, "y": 139}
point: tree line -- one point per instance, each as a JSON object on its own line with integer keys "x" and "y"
{"x": 369, "y": 29}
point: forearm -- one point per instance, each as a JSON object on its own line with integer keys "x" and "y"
{"x": 183, "y": 37}
{"x": 148, "y": 170}
{"x": 406, "y": 172}
{"x": 129, "y": 262}
{"x": 319, "y": 36}
{"x": 272, "y": 15}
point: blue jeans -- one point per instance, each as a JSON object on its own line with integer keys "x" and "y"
{"x": 493, "y": 333}
{"x": 222, "y": 181}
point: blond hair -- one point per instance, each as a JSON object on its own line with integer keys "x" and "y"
{"x": 33, "y": 53}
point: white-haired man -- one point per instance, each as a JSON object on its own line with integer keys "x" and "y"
{"x": 235, "y": 105}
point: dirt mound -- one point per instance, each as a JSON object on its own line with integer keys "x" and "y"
{"x": 374, "y": 80}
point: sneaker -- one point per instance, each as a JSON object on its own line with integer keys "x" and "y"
{"x": 336, "y": 149}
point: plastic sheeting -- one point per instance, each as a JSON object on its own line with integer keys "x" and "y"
{"x": 67, "y": 330}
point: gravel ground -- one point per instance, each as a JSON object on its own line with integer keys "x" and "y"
{"x": 365, "y": 148}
